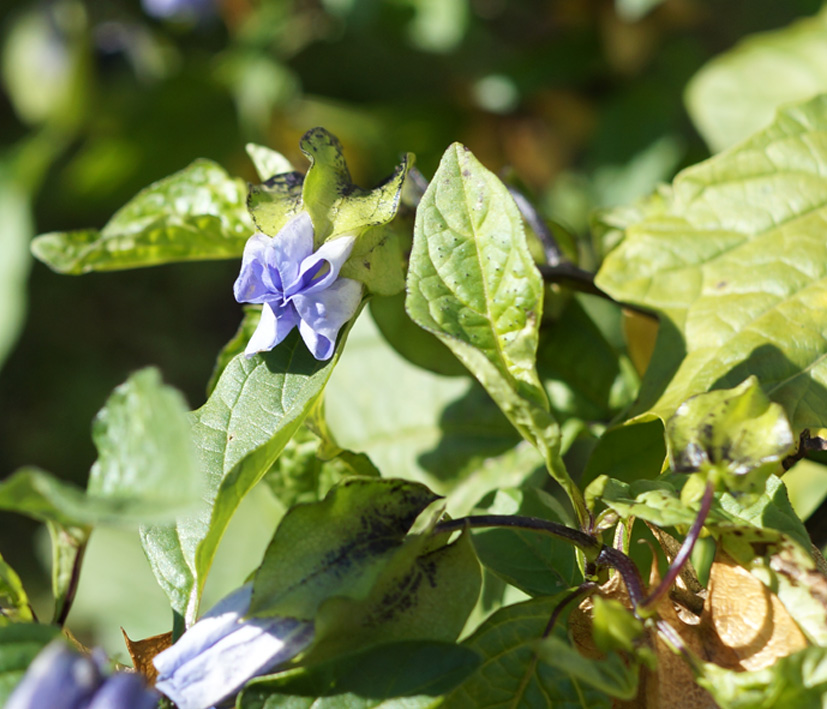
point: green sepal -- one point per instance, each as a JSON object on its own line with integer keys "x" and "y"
{"x": 735, "y": 437}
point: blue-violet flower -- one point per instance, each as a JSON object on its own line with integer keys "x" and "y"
{"x": 222, "y": 651}
{"x": 297, "y": 287}
{"x": 60, "y": 678}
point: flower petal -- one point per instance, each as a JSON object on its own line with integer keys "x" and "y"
{"x": 327, "y": 261}
{"x": 323, "y": 314}
{"x": 125, "y": 690}
{"x": 221, "y": 652}
{"x": 275, "y": 324}
{"x": 254, "y": 284}
{"x": 57, "y": 678}
{"x": 290, "y": 247}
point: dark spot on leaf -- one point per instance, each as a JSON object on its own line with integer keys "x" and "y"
{"x": 721, "y": 284}
{"x": 760, "y": 548}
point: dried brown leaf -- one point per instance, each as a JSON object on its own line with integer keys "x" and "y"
{"x": 142, "y": 652}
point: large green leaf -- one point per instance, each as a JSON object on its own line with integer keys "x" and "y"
{"x": 440, "y": 431}
{"x": 738, "y": 92}
{"x": 146, "y": 469}
{"x": 538, "y": 564}
{"x": 338, "y": 546}
{"x": 19, "y": 644}
{"x": 423, "y": 593}
{"x": 196, "y": 214}
{"x": 146, "y": 460}
{"x": 736, "y": 264}
{"x": 511, "y": 674}
{"x": 256, "y": 407}
{"x": 410, "y": 669}
{"x": 472, "y": 282}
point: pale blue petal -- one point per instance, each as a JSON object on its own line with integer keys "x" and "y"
{"x": 275, "y": 324}
{"x": 290, "y": 247}
{"x": 58, "y": 679}
{"x": 254, "y": 284}
{"x": 125, "y": 690}
{"x": 321, "y": 269}
{"x": 221, "y": 652}
{"x": 323, "y": 314}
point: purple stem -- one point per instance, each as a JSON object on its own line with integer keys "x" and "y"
{"x": 683, "y": 553}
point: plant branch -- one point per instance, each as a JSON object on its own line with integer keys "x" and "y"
{"x": 683, "y": 553}
{"x": 585, "y": 542}
{"x": 551, "y": 249}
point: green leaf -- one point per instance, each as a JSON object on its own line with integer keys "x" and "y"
{"x": 417, "y": 425}
{"x": 738, "y": 92}
{"x": 537, "y": 564}
{"x": 411, "y": 669}
{"x": 236, "y": 345}
{"x": 472, "y": 282}
{"x": 379, "y": 258}
{"x": 613, "y": 674}
{"x": 19, "y": 644}
{"x": 659, "y": 502}
{"x": 334, "y": 203}
{"x": 735, "y": 266}
{"x": 416, "y": 345}
{"x": 336, "y": 547}
{"x": 798, "y": 680}
{"x": 511, "y": 674}
{"x": 421, "y": 594}
{"x": 579, "y": 369}
{"x": 196, "y": 214}
{"x": 256, "y": 407}
{"x": 14, "y": 603}
{"x": 735, "y": 434}
{"x": 629, "y": 452}
{"x": 300, "y": 475}
{"x": 16, "y": 230}
{"x": 146, "y": 460}
{"x": 614, "y": 627}
{"x": 268, "y": 162}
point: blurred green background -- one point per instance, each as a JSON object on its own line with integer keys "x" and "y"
{"x": 581, "y": 99}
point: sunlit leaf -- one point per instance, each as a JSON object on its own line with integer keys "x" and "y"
{"x": 736, "y": 265}
{"x": 472, "y": 282}
{"x": 196, "y": 214}
{"x": 255, "y": 408}
{"x": 418, "y": 425}
{"x": 738, "y": 92}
